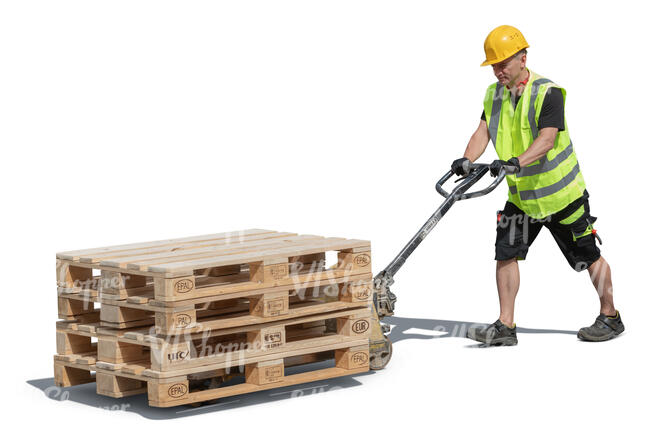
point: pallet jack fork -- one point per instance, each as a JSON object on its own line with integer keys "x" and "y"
{"x": 381, "y": 348}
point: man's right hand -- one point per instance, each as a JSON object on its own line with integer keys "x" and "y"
{"x": 460, "y": 166}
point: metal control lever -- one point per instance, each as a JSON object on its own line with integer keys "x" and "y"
{"x": 383, "y": 299}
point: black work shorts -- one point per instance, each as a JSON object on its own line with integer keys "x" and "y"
{"x": 516, "y": 232}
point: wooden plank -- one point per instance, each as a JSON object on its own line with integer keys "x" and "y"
{"x": 134, "y": 336}
{"x": 173, "y": 251}
{"x": 242, "y": 288}
{"x": 142, "y": 263}
{"x": 245, "y": 388}
{"x": 75, "y": 255}
{"x": 298, "y": 243}
{"x": 237, "y": 358}
{"x": 328, "y": 244}
{"x": 232, "y": 325}
{"x": 291, "y": 349}
{"x": 110, "y": 269}
{"x": 185, "y": 246}
{"x": 89, "y": 328}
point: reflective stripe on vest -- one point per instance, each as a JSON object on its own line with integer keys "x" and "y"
{"x": 544, "y": 164}
{"x": 495, "y": 116}
{"x": 532, "y": 194}
{"x": 549, "y": 184}
{"x": 496, "y": 109}
{"x": 534, "y": 90}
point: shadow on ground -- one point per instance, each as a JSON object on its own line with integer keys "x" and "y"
{"x": 86, "y": 395}
{"x": 449, "y": 328}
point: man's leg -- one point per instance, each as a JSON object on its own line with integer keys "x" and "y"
{"x": 507, "y": 286}
{"x": 601, "y": 277}
{"x": 515, "y": 233}
{"x": 502, "y": 332}
{"x": 578, "y": 244}
{"x": 608, "y": 324}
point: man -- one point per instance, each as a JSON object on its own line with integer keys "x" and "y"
{"x": 524, "y": 117}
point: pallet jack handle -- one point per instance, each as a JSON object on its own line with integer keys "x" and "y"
{"x": 383, "y": 299}
{"x": 480, "y": 169}
{"x": 475, "y": 172}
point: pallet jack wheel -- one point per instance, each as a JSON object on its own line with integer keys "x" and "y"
{"x": 380, "y": 356}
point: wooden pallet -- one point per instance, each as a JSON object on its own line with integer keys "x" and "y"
{"x": 179, "y": 270}
{"x": 186, "y": 388}
{"x": 223, "y": 311}
{"x": 163, "y": 317}
{"x": 196, "y": 351}
{"x": 129, "y": 362}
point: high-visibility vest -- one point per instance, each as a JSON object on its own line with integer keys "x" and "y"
{"x": 547, "y": 185}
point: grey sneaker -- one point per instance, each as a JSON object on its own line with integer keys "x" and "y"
{"x": 604, "y": 328}
{"x": 496, "y": 334}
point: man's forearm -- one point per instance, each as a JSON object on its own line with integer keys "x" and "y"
{"x": 475, "y": 147}
{"x": 541, "y": 145}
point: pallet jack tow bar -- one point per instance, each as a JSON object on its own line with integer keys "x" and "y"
{"x": 383, "y": 299}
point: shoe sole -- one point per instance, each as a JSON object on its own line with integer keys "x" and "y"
{"x": 603, "y": 338}
{"x": 503, "y": 341}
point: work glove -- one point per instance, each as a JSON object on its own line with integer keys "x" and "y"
{"x": 511, "y": 166}
{"x": 460, "y": 166}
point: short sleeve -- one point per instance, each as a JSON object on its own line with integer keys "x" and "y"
{"x": 552, "y": 114}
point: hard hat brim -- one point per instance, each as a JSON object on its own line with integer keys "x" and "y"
{"x": 487, "y": 62}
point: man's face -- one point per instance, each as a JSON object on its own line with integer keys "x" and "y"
{"x": 508, "y": 71}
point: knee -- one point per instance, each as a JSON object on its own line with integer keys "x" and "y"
{"x": 595, "y": 265}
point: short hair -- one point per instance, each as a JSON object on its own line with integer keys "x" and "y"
{"x": 521, "y": 53}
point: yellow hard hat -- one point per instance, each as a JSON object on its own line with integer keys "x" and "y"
{"x": 503, "y": 42}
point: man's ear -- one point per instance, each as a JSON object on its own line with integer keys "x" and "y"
{"x": 523, "y": 60}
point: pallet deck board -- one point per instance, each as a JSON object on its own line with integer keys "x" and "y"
{"x": 327, "y": 244}
{"x": 75, "y": 255}
{"x": 140, "y": 261}
{"x": 167, "y": 256}
{"x": 245, "y": 388}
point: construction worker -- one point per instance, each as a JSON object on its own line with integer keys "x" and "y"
{"x": 523, "y": 115}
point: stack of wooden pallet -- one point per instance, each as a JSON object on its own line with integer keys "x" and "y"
{"x": 195, "y": 319}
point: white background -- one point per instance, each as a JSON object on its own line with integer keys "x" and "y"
{"x": 127, "y": 121}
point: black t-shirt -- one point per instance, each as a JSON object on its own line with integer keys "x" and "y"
{"x": 552, "y": 114}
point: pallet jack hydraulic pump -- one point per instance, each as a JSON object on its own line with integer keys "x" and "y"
{"x": 381, "y": 348}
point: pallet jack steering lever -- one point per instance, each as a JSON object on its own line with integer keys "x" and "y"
{"x": 383, "y": 299}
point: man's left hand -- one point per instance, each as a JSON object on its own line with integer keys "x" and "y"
{"x": 511, "y": 166}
